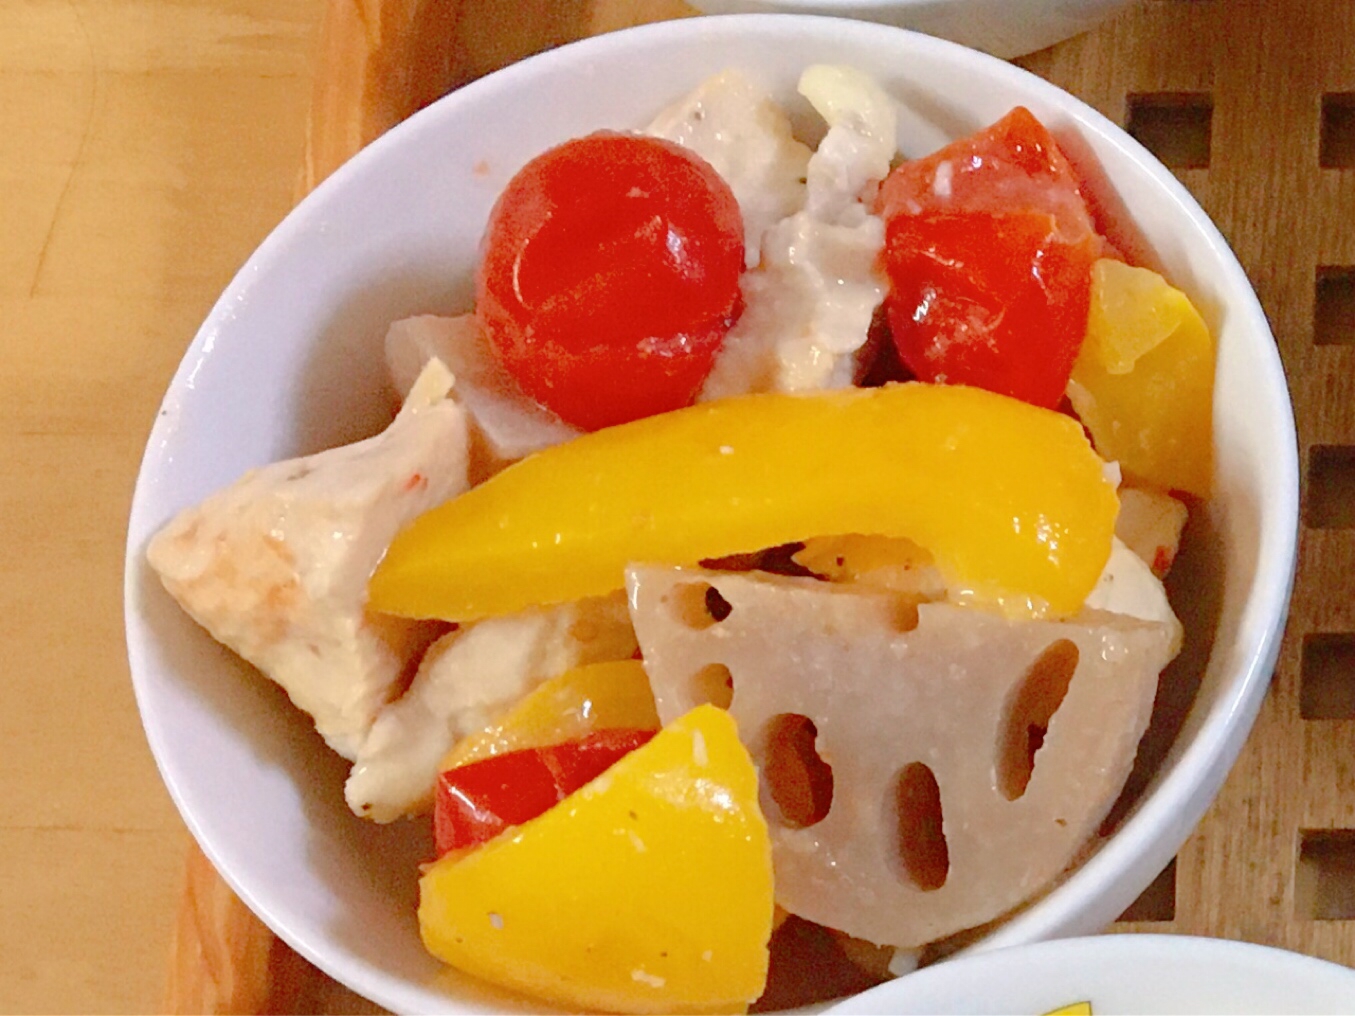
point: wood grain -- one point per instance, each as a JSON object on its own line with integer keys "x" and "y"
{"x": 146, "y": 147}
{"x": 1264, "y": 65}
{"x": 382, "y": 60}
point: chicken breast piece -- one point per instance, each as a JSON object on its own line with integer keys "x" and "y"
{"x": 506, "y": 425}
{"x": 276, "y": 565}
{"x": 1150, "y": 523}
{"x": 855, "y": 154}
{"x": 468, "y": 678}
{"x": 738, "y": 128}
{"x": 925, "y": 715}
{"x": 808, "y": 305}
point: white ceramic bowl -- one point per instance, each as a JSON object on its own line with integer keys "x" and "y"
{"x": 289, "y": 361}
{"x": 1120, "y": 975}
{"x": 1005, "y": 28}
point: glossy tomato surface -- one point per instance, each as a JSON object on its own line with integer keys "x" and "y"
{"x": 989, "y": 247}
{"x": 610, "y": 275}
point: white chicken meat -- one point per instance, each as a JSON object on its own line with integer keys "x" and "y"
{"x": 808, "y": 305}
{"x": 1151, "y": 522}
{"x": 276, "y": 565}
{"x": 1127, "y": 586}
{"x": 746, "y": 137}
{"x": 467, "y": 679}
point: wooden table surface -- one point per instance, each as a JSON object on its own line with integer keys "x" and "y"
{"x": 147, "y": 145}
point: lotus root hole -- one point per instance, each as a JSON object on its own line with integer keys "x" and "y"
{"x": 712, "y": 684}
{"x": 1033, "y": 703}
{"x": 699, "y": 605}
{"x": 799, "y": 781}
{"x": 922, "y": 847}
{"x": 905, "y": 616}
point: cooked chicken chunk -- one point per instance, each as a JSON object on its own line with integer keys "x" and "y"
{"x": 469, "y": 678}
{"x": 276, "y": 565}
{"x": 1150, "y": 522}
{"x": 809, "y": 303}
{"x": 737, "y": 127}
{"x": 1128, "y": 586}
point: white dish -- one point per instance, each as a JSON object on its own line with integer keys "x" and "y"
{"x": 289, "y": 361}
{"x": 1119, "y": 975}
{"x": 1005, "y": 28}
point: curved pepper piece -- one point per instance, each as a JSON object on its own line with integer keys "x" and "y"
{"x": 596, "y": 696}
{"x": 1144, "y": 380}
{"x": 1005, "y": 496}
{"x": 475, "y": 802}
{"x": 649, "y": 890}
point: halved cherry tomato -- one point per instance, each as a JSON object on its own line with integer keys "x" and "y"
{"x": 989, "y": 247}
{"x": 476, "y": 802}
{"x": 609, "y": 276}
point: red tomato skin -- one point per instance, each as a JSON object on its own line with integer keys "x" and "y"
{"x": 1013, "y": 164}
{"x": 990, "y": 264}
{"x": 990, "y": 301}
{"x": 476, "y": 802}
{"x": 609, "y": 276}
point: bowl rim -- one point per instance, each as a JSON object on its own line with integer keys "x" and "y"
{"x": 849, "y": 8}
{"x": 1176, "y": 803}
{"x": 1175, "y": 957}
{"x": 1004, "y": 28}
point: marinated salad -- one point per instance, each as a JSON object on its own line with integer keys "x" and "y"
{"x": 774, "y": 550}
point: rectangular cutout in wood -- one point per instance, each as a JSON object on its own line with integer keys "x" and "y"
{"x": 1337, "y": 148}
{"x": 1158, "y": 901}
{"x": 1174, "y": 126}
{"x": 1327, "y": 677}
{"x": 1324, "y": 882}
{"x": 1334, "y": 306}
{"x": 1330, "y": 502}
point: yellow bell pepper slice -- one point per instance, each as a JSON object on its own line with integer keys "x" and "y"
{"x": 649, "y": 890}
{"x": 1143, "y": 382}
{"x": 1004, "y": 495}
{"x": 596, "y": 696}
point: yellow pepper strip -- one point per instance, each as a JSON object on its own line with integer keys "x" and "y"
{"x": 1004, "y": 495}
{"x": 1076, "y": 1009}
{"x": 1143, "y": 382}
{"x": 649, "y": 890}
{"x": 596, "y": 696}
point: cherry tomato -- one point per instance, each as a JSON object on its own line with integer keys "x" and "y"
{"x": 989, "y": 247}
{"x": 609, "y": 276}
{"x": 475, "y": 802}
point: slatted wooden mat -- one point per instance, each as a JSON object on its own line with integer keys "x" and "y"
{"x": 1252, "y": 102}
